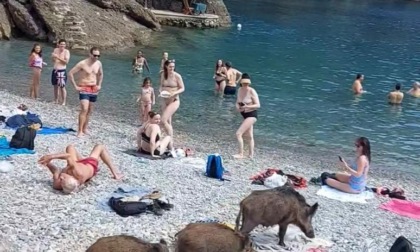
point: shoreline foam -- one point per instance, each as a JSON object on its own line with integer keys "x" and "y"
{"x": 35, "y": 218}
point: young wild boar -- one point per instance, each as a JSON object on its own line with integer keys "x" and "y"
{"x": 281, "y": 205}
{"x": 125, "y": 243}
{"x": 211, "y": 237}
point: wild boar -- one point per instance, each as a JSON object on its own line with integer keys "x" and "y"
{"x": 281, "y": 205}
{"x": 126, "y": 243}
{"x": 211, "y": 237}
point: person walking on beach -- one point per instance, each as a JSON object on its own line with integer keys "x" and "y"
{"x": 78, "y": 170}
{"x": 165, "y": 57}
{"x": 415, "y": 90}
{"x": 172, "y": 83}
{"x": 233, "y": 76}
{"x": 146, "y": 99}
{"x": 35, "y": 63}
{"x": 357, "y": 84}
{"x": 60, "y": 57}
{"x": 139, "y": 62}
{"x": 90, "y": 82}
{"x": 396, "y": 97}
{"x": 247, "y": 103}
{"x": 220, "y": 74}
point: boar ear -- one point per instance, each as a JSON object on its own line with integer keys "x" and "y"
{"x": 162, "y": 241}
{"x": 313, "y": 209}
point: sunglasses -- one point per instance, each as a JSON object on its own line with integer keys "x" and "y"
{"x": 171, "y": 61}
{"x": 96, "y": 55}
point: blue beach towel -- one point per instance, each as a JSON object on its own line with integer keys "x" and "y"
{"x": 5, "y": 150}
{"x": 51, "y": 131}
{"x": 122, "y": 191}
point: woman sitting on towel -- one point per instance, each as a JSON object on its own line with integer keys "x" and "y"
{"x": 149, "y": 139}
{"x": 353, "y": 180}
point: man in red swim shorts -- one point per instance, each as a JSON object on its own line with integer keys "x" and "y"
{"x": 78, "y": 169}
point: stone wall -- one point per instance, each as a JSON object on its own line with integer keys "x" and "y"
{"x": 189, "y": 23}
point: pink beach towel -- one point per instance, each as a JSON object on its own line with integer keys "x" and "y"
{"x": 403, "y": 207}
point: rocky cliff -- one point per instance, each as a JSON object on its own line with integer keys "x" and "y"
{"x": 85, "y": 23}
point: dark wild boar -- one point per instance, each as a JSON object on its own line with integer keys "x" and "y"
{"x": 211, "y": 237}
{"x": 125, "y": 243}
{"x": 281, "y": 205}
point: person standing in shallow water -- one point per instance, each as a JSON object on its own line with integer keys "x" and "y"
{"x": 60, "y": 57}
{"x": 396, "y": 97}
{"x": 220, "y": 75}
{"x": 233, "y": 76}
{"x": 139, "y": 62}
{"x": 357, "y": 84}
{"x": 90, "y": 82}
{"x": 171, "y": 82}
{"x": 165, "y": 57}
{"x": 35, "y": 63}
{"x": 247, "y": 103}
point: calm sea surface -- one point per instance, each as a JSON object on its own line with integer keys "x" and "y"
{"x": 302, "y": 55}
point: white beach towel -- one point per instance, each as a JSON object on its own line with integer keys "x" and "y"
{"x": 294, "y": 239}
{"x": 332, "y": 193}
{"x": 275, "y": 180}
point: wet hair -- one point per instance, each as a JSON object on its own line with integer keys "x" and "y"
{"x": 398, "y": 86}
{"x": 359, "y": 76}
{"x": 61, "y": 41}
{"x": 228, "y": 64}
{"x": 152, "y": 114}
{"x": 364, "y": 142}
{"x": 165, "y": 68}
{"x": 147, "y": 79}
{"x": 40, "y": 51}
{"x": 69, "y": 185}
{"x": 94, "y": 49}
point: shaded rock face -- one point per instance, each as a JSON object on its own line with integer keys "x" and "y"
{"x": 5, "y": 26}
{"x": 24, "y": 21}
{"x": 132, "y": 9}
{"x": 84, "y": 25}
{"x": 218, "y": 7}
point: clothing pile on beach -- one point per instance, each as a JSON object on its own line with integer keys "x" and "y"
{"x": 18, "y": 117}
{"x": 135, "y": 205}
{"x": 275, "y": 177}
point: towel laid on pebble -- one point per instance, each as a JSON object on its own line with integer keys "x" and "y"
{"x": 54, "y": 131}
{"x": 122, "y": 191}
{"x": 405, "y": 208}
{"x": 335, "y": 194}
{"x": 5, "y": 149}
{"x": 295, "y": 240}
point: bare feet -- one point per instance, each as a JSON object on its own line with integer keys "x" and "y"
{"x": 63, "y": 104}
{"x": 86, "y": 132}
{"x": 118, "y": 176}
{"x": 79, "y": 134}
{"x": 238, "y": 156}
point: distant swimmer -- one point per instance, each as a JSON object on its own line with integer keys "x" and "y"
{"x": 139, "y": 62}
{"x": 396, "y": 96}
{"x": 165, "y": 57}
{"x": 357, "y": 84}
{"x": 233, "y": 76}
{"x": 415, "y": 90}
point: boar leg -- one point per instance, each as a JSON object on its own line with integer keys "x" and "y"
{"x": 247, "y": 226}
{"x": 282, "y": 233}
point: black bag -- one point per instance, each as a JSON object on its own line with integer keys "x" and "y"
{"x": 402, "y": 245}
{"x": 24, "y": 137}
{"x": 125, "y": 209}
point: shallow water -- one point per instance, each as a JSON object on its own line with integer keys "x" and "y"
{"x": 302, "y": 56}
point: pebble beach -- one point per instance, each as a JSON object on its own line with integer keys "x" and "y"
{"x": 34, "y": 217}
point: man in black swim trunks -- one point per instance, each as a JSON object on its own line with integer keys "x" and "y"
{"x": 233, "y": 76}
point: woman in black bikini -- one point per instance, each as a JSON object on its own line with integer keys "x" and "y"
{"x": 149, "y": 137}
{"x": 220, "y": 75}
{"x": 247, "y": 104}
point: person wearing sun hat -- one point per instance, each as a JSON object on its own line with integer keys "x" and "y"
{"x": 247, "y": 103}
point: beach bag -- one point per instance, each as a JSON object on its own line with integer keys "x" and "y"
{"x": 24, "y": 137}
{"x": 214, "y": 168}
{"x": 402, "y": 245}
{"x": 127, "y": 208}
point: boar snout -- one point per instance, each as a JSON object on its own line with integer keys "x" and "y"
{"x": 310, "y": 234}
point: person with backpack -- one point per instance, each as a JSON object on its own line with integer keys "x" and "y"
{"x": 78, "y": 170}
{"x": 247, "y": 103}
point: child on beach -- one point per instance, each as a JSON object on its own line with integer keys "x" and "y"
{"x": 146, "y": 99}
{"x": 35, "y": 63}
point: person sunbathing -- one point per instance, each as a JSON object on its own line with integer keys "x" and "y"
{"x": 78, "y": 170}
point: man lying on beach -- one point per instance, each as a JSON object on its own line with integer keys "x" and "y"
{"x": 78, "y": 169}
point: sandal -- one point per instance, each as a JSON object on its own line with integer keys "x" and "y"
{"x": 188, "y": 152}
{"x": 153, "y": 196}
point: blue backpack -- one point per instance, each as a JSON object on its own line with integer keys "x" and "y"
{"x": 214, "y": 167}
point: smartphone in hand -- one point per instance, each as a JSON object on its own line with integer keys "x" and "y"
{"x": 340, "y": 158}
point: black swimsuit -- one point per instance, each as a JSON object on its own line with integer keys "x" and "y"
{"x": 146, "y": 139}
{"x": 253, "y": 113}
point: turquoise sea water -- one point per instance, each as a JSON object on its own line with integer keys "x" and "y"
{"x": 302, "y": 55}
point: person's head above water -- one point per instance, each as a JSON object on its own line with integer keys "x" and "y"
{"x": 154, "y": 117}
{"x": 147, "y": 82}
{"x": 94, "y": 54}
{"x": 245, "y": 79}
{"x": 37, "y": 49}
{"x": 165, "y": 55}
{"x": 68, "y": 183}
{"x": 360, "y": 76}
{"x": 228, "y": 65}
{"x": 416, "y": 85}
{"x": 362, "y": 145}
{"x": 139, "y": 53}
{"x": 398, "y": 86}
{"x": 168, "y": 67}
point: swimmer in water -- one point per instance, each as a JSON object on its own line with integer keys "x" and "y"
{"x": 146, "y": 99}
{"x": 357, "y": 84}
{"x": 165, "y": 57}
{"x": 415, "y": 90}
{"x": 138, "y": 62}
{"x": 395, "y": 97}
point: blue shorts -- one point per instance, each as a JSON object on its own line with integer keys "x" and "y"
{"x": 230, "y": 90}
{"x": 90, "y": 97}
{"x": 59, "y": 77}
